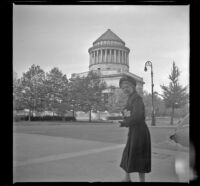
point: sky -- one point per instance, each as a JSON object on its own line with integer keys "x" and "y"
{"x": 60, "y": 36}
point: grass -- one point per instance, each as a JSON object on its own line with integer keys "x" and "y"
{"x": 105, "y": 132}
{"x": 164, "y": 121}
{"x": 102, "y": 132}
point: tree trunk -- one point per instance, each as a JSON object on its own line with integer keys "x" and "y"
{"x": 73, "y": 113}
{"x": 29, "y": 115}
{"x": 90, "y": 115}
{"x": 172, "y": 115}
{"x": 63, "y": 117}
{"x": 53, "y": 115}
{"x": 99, "y": 115}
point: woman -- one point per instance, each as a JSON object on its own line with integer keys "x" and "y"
{"x": 136, "y": 156}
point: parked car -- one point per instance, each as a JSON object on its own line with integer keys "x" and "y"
{"x": 181, "y": 133}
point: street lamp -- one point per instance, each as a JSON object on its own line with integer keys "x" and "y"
{"x": 149, "y": 63}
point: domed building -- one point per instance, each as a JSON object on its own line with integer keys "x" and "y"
{"x": 110, "y": 58}
{"x": 109, "y": 53}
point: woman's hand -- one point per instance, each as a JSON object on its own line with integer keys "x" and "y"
{"x": 122, "y": 124}
{"x": 127, "y": 113}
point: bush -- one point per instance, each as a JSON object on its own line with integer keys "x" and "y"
{"x": 20, "y": 118}
{"x": 115, "y": 118}
{"x": 44, "y": 118}
{"x": 70, "y": 118}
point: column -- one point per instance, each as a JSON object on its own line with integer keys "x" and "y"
{"x": 92, "y": 53}
{"x": 111, "y": 55}
{"x": 115, "y": 56}
{"x": 118, "y": 60}
{"x": 125, "y": 58}
{"x": 121, "y": 61}
{"x": 105, "y": 55}
{"x": 98, "y": 52}
{"x": 95, "y": 58}
{"x": 122, "y": 57}
{"x": 90, "y": 59}
{"x": 108, "y": 55}
{"x": 101, "y": 56}
{"x": 110, "y": 52}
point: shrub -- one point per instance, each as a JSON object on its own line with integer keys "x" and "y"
{"x": 115, "y": 118}
{"x": 20, "y": 118}
{"x": 44, "y": 118}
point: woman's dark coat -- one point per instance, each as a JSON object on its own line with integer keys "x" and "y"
{"x": 136, "y": 156}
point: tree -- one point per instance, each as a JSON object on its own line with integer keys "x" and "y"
{"x": 56, "y": 85}
{"x": 32, "y": 89}
{"x": 147, "y": 98}
{"x": 62, "y": 108}
{"x": 174, "y": 95}
{"x": 158, "y": 104}
{"x": 86, "y": 92}
{"x": 17, "y": 95}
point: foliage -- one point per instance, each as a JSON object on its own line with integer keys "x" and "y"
{"x": 30, "y": 89}
{"x": 38, "y": 92}
{"x": 56, "y": 85}
{"x": 158, "y": 104}
{"x": 17, "y": 94}
{"x": 86, "y": 92}
{"x": 174, "y": 95}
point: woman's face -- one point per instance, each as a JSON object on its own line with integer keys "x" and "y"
{"x": 127, "y": 87}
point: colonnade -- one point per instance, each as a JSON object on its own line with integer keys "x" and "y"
{"x": 109, "y": 56}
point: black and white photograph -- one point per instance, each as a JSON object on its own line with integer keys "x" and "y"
{"x": 101, "y": 93}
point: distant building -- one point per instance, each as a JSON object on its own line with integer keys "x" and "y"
{"x": 110, "y": 58}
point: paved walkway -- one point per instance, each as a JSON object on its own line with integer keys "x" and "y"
{"x": 46, "y": 158}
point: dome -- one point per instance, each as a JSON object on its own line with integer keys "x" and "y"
{"x": 109, "y": 53}
{"x": 109, "y": 36}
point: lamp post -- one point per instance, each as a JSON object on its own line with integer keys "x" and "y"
{"x": 149, "y": 63}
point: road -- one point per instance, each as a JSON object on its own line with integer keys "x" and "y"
{"x": 84, "y": 152}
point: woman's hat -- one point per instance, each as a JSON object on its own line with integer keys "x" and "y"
{"x": 129, "y": 79}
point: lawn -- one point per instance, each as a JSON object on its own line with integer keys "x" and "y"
{"x": 104, "y": 132}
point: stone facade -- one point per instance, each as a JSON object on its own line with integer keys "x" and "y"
{"x": 110, "y": 58}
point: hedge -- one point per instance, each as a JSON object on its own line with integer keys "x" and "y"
{"x": 44, "y": 118}
{"x": 115, "y": 118}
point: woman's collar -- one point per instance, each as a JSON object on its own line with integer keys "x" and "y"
{"x": 133, "y": 93}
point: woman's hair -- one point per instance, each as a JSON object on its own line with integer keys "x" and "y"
{"x": 129, "y": 79}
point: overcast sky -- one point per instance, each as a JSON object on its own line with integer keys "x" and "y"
{"x": 60, "y": 36}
